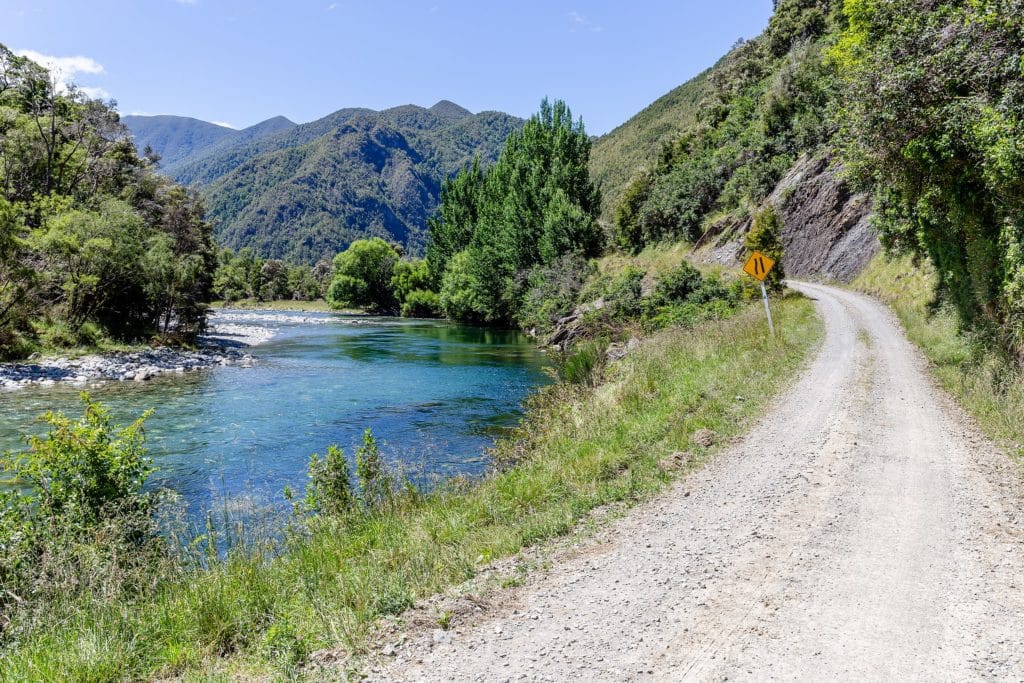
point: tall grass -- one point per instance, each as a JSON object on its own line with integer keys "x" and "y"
{"x": 579, "y": 448}
{"x": 986, "y": 381}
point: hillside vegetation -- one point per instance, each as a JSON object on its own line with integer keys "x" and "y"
{"x": 303, "y": 193}
{"x": 620, "y": 154}
{"x": 174, "y": 138}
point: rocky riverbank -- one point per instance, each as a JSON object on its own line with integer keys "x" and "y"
{"x": 136, "y": 366}
{"x": 227, "y": 341}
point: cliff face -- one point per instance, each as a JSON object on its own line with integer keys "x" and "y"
{"x": 825, "y": 225}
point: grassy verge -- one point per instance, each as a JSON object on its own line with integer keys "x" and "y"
{"x": 987, "y": 383}
{"x": 318, "y": 306}
{"x": 578, "y": 449}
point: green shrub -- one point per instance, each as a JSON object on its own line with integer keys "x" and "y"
{"x": 422, "y": 303}
{"x": 625, "y": 292}
{"x": 363, "y": 277}
{"x": 79, "y": 519}
{"x": 375, "y": 482}
{"x": 330, "y": 486}
{"x": 552, "y": 291}
{"x": 582, "y": 364}
{"x": 460, "y": 289}
{"x": 765, "y": 236}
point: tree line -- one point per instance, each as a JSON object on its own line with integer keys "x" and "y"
{"x": 93, "y": 243}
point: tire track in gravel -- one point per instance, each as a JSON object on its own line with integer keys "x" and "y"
{"x": 862, "y": 530}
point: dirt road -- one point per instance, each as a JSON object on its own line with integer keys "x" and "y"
{"x": 862, "y": 531}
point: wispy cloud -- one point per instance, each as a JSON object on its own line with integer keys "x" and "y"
{"x": 225, "y": 124}
{"x": 580, "y": 21}
{"x": 66, "y": 70}
{"x": 331, "y": 7}
{"x": 187, "y": 2}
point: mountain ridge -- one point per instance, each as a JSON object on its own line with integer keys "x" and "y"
{"x": 304, "y": 192}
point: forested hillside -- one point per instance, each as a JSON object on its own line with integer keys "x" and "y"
{"x": 93, "y": 244}
{"x": 174, "y": 138}
{"x": 368, "y": 175}
{"x": 918, "y": 106}
{"x": 303, "y": 193}
{"x": 636, "y": 143}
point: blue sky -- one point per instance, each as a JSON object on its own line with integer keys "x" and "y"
{"x": 240, "y": 62}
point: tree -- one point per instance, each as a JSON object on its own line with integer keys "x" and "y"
{"x": 451, "y": 228}
{"x": 362, "y": 277}
{"x": 274, "y": 281}
{"x": 16, "y": 278}
{"x": 933, "y": 122}
{"x": 765, "y": 236}
{"x": 459, "y": 290}
{"x": 89, "y": 234}
{"x": 534, "y": 205}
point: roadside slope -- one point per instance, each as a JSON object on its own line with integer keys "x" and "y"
{"x": 862, "y": 530}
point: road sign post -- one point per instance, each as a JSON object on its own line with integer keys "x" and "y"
{"x": 758, "y": 266}
{"x": 764, "y": 295}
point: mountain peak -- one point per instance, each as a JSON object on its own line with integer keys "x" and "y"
{"x": 449, "y": 110}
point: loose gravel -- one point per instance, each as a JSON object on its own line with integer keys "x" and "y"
{"x": 863, "y": 531}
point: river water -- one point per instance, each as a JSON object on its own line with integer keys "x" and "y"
{"x": 435, "y": 395}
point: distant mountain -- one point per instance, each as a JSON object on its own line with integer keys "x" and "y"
{"x": 174, "y": 137}
{"x": 305, "y": 192}
{"x": 180, "y": 139}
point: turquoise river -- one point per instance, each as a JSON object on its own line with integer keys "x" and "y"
{"x": 435, "y": 394}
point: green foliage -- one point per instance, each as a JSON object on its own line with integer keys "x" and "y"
{"x": 582, "y": 364}
{"x": 552, "y": 291}
{"x": 376, "y": 486}
{"x": 460, "y": 289}
{"x": 766, "y": 236}
{"x": 247, "y": 276}
{"x": 534, "y": 205}
{"x": 422, "y": 303}
{"x": 451, "y": 228}
{"x": 82, "y": 481}
{"x": 624, "y": 293}
{"x": 627, "y": 213}
{"x": 362, "y": 277}
{"x": 89, "y": 234}
{"x": 763, "y": 105}
{"x": 330, "y": 486}
{"x": 409, "y": 276}
{"x": 933, "y": 122}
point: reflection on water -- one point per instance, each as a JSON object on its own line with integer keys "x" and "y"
{"x": 435, "y": 395}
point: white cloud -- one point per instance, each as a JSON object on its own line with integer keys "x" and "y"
{"x": 331, "y": 7}
{"x": 581, "y": 21}
{"x": 65, "y": 70}
{"x": 94, "y": 93}
{"x": 225, "y": 124}
{"x": 187, "y": 2}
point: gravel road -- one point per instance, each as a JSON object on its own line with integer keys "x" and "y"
{"x": 864, "y": 530}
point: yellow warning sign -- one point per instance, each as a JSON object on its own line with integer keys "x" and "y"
{"x": 758, "y": 266}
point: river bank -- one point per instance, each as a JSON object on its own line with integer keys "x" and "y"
{"x": 659, "y": 413}
{"x": 225, "y": 343}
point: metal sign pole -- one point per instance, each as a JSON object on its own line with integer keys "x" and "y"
{"x": 764, "y": 294}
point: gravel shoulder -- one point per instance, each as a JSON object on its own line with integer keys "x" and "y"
{"x": 863, "y": 530}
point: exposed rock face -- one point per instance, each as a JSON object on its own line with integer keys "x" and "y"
{"x": 825, "y": 226}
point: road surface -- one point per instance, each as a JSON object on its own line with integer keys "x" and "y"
{"x": 863, "y": 530}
